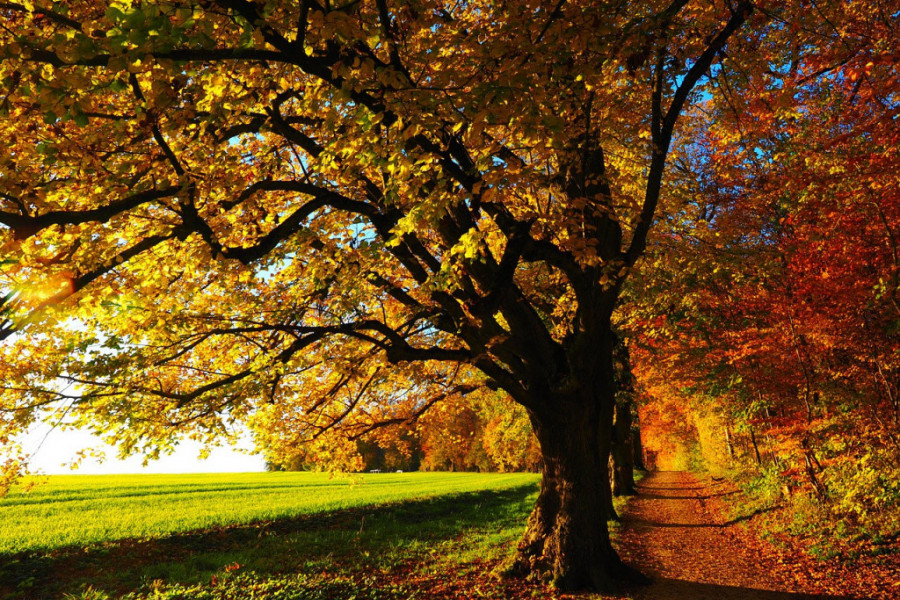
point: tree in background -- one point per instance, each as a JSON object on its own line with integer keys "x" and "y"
{"x": 626, "y": 434}
{"x": 508, "y": 437}
{"x": 484, "y": 432}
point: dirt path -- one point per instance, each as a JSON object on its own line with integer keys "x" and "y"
{"x": 673, "y": 531}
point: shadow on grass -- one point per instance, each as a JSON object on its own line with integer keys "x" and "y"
{"x": 375, "y": 537}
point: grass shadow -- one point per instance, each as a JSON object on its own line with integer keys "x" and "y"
{"x": 375, "y": 537}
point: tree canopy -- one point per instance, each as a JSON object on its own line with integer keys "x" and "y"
{"x": 321, "y": 219}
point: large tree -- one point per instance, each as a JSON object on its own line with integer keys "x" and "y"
{"x": 321, "y": 217}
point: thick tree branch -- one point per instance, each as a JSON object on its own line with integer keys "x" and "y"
{"x": 10, "y": 325}
{"x": 25, "y": 226}
{"x": 665, "y": 131}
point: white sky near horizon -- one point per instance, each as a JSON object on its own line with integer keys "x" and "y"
{"x": 53, "y": 449}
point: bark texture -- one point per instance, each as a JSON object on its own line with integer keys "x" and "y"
{"x": 637, "y": 448}
{"x": 622, "y": 451}
{"x": 567, "y": 539}
{"x": 622, "y": 463}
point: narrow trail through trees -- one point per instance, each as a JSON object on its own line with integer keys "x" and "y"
{"x": 674, "y": 531}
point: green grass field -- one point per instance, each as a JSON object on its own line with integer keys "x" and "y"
{"x": 68, "y": 510}
{"x": 266, "y": 536}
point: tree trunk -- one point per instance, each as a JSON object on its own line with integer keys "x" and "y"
{"x": 567, "y": 539}
{"x": 612, "y": 515}
{"x": 637, "y": 449}
{"x": 755, "y": 447}
{"x": 622, "y": 452}
{"x": 728, "y": 442}
{"x": 623, "y": 460}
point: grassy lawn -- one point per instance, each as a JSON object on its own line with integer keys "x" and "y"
{"x": 267, "y": 536}
{"x": 67, "y": 510}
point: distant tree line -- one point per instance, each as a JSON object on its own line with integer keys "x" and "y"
{"x": 489, "y": 435}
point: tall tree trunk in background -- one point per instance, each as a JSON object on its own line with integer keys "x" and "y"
{"x": 622, "y": 475}
{"x": 611, "y": 476}
{"x": 729, "y": 443}
{"x": 637, "y": 447}
{"x": 623, "y": 459}
{"x": 755, "y": 447}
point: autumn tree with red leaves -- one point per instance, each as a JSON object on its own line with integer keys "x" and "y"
{"x": 779, "y": 328}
